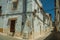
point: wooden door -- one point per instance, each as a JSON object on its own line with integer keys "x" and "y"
{"x": 12, "y": 26}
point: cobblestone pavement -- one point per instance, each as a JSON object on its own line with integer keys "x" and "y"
{"x": 52, "y": 36}
{"x": 7, "y": 38}
{"x": 45, "y": 36}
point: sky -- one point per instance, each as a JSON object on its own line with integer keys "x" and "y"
{"x": 48, "y": 6}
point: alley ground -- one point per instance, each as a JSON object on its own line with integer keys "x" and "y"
{"x": 52, "y": 36}
{"x": 7, "y": 38}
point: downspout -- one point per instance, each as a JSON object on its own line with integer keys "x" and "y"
{"x": 24, "y": 16}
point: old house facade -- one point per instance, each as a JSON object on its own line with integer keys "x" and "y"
{"x": 21, "y": 17}
{"x": 57, "y": 15}
{"x": 47, "y": 23}
{"x": 38, "y": 20}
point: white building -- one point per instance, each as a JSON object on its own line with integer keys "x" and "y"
{"x": 37, "y": 19}
{"x": 25, "y": 15}
{"x": 47, "y": 23}
{"x": 22, "y": 18}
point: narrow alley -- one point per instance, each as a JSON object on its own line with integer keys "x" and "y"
{"x": 30, "y": 19}
{"x": 52, "y": 36}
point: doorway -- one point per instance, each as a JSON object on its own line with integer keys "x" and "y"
{"x": 12, "y": 25}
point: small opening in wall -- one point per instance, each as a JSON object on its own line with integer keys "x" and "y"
{"x": 22, "y": 23}
{"x": 0, "y": 10}
{"x": 15, "y": 4}
{"x": 34, "y": 13}
{"x": 41, "y": 8}
{"x": 58, "y": 11}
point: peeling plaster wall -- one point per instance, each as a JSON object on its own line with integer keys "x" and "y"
{"x": 28, "y": 24}
{"x": 1, "y": 22}
{"x": 7, "y": 7}
{"x": 6, "y": 25}
{"x": 38, "y": 22}
{"x": 31, "y": 6}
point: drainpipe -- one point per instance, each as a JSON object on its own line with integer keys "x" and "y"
{"x": 24, "y": 16}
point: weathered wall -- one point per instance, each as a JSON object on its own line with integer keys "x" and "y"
{"x": 38, "y": 20}
{"x": 31, "y": 6}
{"x": 6, "y": 24}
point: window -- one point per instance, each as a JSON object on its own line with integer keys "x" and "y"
{"x": 0, "y": 10}
{"x": 38, "y": 9}
{"x": 22, "y": 23}
{"x": 15, "y": 4}
{"x": 41, "y": 10}
{"x": 34, "y": 13}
